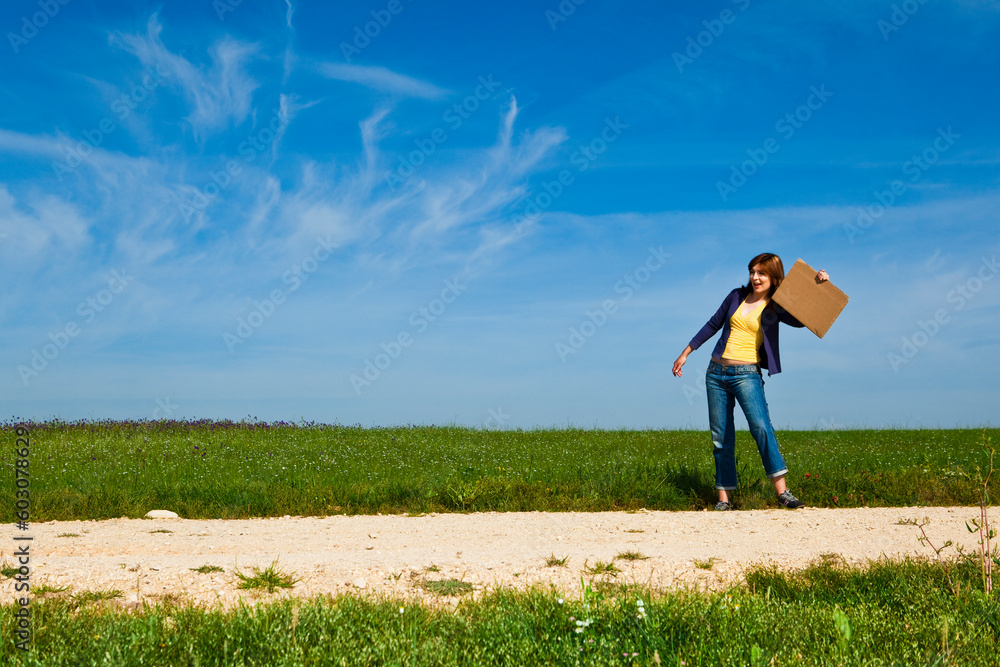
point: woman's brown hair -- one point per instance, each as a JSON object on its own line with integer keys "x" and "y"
{"x": 770, "y": 264}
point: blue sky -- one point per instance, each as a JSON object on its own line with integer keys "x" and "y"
{"x": 398, "y": 212}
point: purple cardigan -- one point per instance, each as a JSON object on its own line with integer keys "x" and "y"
{"x": 773, "y": 313}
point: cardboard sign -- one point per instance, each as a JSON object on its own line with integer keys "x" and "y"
{"x": 813, "y": 303}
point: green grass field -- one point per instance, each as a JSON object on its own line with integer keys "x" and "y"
{"x": 96, "y": 470}
{"x": 885, "y": 613}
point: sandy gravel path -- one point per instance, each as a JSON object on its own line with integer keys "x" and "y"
{"x": 394, "y": 554}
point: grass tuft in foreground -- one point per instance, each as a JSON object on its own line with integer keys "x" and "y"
{"x": 268, "y": 580}
{"x": 555, "y": 561}
{"x": 448, "y": 587}
{"x": 87, "y": 597}
{"x": 600, "y": 567}
{"x": 706, "y": 564}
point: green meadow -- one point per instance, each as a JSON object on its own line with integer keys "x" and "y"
{"x": 889, "y": 613}
{"x": 98, "y": 470}
{"x": 914, "y": 612}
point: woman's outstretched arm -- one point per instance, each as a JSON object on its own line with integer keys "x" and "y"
{"x": 679, "y": 364}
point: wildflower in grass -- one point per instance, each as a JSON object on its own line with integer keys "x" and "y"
{"x": 641, "y": 615}
{"x": 807, "y": 475}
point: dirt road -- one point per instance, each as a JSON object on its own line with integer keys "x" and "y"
{"x": 147, "y": 559}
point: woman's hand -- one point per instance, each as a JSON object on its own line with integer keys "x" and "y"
{"x": 822, "y": 276}
{"x": 681, "y": 360}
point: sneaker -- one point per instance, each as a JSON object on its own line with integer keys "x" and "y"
{"x": 722, "y": 506}
{"x": 786, "y": 499}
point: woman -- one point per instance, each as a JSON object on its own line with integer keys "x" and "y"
{"x": 749, "y": 342}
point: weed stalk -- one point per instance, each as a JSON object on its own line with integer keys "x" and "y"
{"x": 987, "y": 533}
{"x": 982, "y": 524}
{"x": 924, "y": 539}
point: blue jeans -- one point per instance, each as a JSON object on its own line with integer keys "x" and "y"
{"x": 725, "y": 385}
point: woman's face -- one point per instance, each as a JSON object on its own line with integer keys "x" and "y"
{"x": 761, "y": 282}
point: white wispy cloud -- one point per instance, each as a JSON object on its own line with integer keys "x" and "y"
{"x": 466, "y": 206}
{"x": 42, "y": 145}
{"x": 194, "y": 277}
{"x": 48, "y": 226}
{"x": 219, "y": 95}
{"x": 69, "y": 155}
{"x": 382, "y": 79}
{"x": 288, "y": 107}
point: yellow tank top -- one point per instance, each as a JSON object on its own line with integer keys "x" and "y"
{"x": 745, "y": 335}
